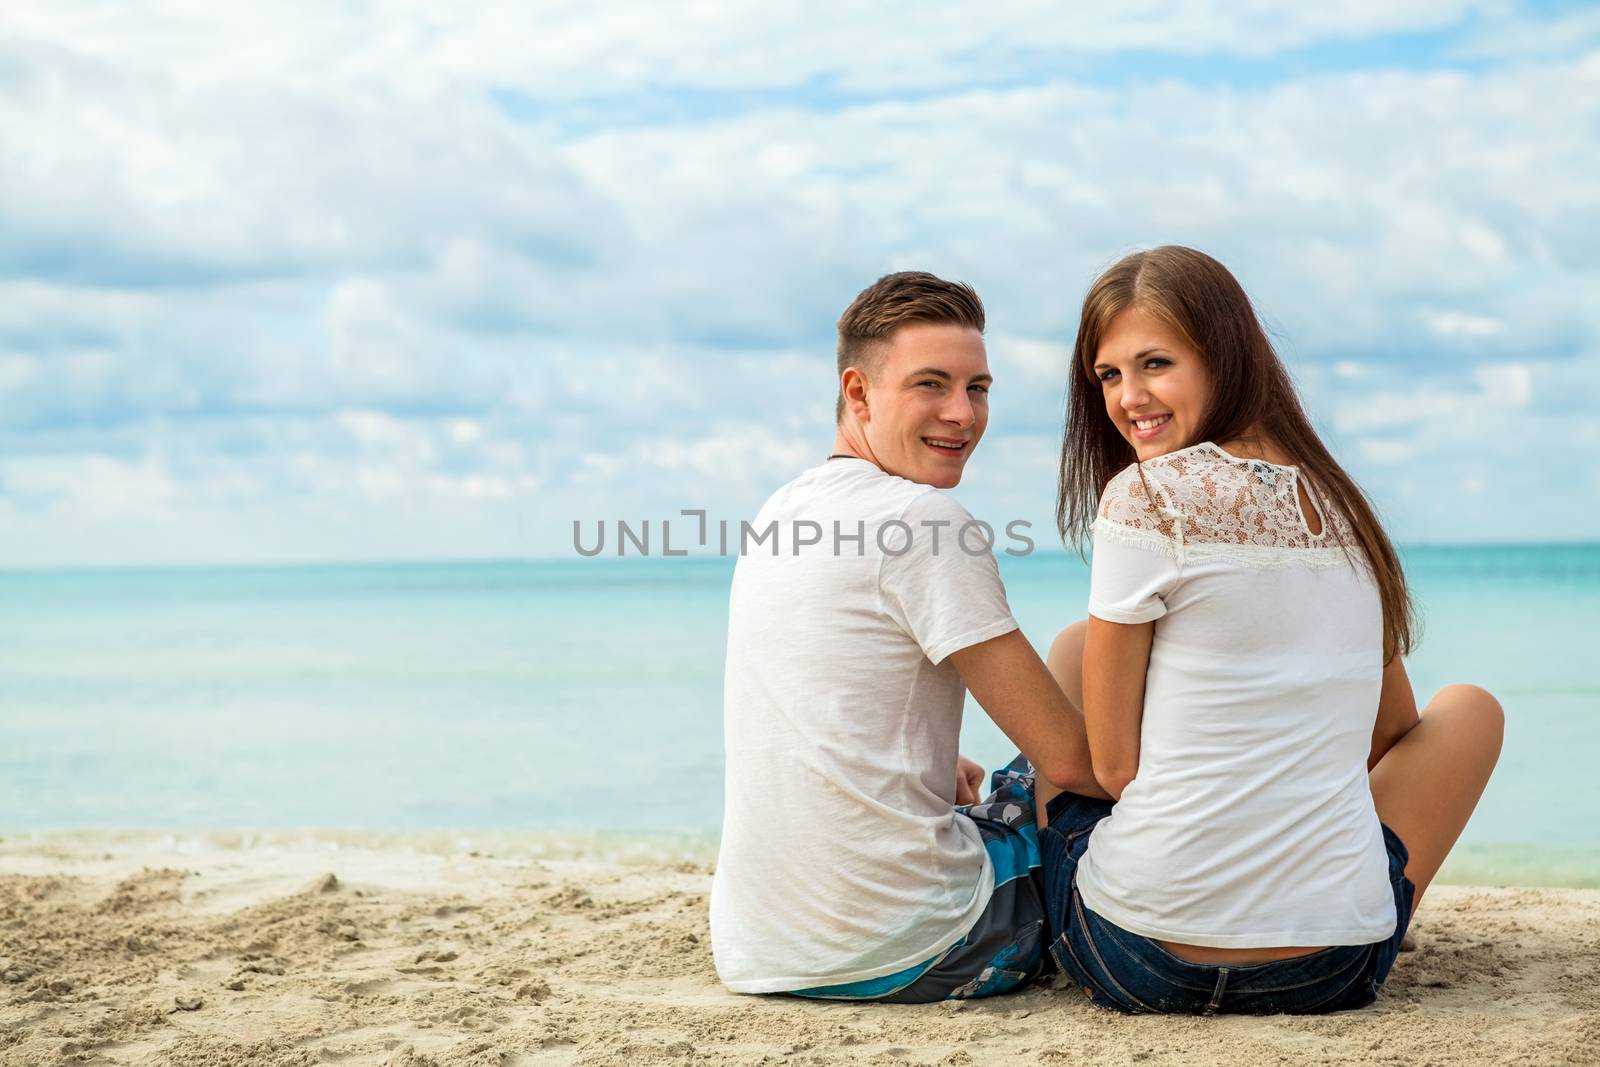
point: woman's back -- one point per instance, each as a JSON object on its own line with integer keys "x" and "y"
{"x": 1250, "y": 822}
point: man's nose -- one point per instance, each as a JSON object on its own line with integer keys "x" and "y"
{"x": 958, "y": 410}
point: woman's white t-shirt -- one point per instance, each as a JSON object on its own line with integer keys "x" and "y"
{"x": 1250, "y": 822}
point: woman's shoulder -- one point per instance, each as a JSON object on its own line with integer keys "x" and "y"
{"x": 1148, "y": 489}
{"x": 1205, "y": 494}
{"x": 1134, "y": 498}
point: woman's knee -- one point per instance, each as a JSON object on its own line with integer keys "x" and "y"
{"x": 1068, "y": 645}
{"x": 1066, "y": 661}
{"x": 1478, "y": 708}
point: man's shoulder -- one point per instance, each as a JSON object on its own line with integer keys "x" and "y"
{"x": 860, "y": 488}
{"x": 904, "y": 497}
{"x": 934, "y": 505}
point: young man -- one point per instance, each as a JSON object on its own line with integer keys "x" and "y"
{"x": 854, "y": 631}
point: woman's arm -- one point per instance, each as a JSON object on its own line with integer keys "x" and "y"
{"x": 1397, "y": 712}
{"x": 1115, "y": 658}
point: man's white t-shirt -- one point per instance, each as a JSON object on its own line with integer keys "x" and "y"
{"x": 842, "y": 858}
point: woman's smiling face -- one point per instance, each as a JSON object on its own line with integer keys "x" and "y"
{"x": 1156, "y": 387}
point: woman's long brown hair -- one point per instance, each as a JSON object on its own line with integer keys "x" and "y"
{"x": 1251, "y": 392}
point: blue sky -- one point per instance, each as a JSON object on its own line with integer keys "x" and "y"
{"x": 377, "y": 281}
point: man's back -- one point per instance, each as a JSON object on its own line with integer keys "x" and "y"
{"x": 842, "y": 858}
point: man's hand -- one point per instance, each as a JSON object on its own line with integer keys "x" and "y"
{"x": 969, "y": 781}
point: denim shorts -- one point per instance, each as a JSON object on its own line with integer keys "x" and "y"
{"x": 1131, "y": 973}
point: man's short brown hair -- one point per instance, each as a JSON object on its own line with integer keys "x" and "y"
{"x": 890, "y": 303}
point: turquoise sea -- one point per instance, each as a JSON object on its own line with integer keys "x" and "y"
{"x": 585, "y": 694}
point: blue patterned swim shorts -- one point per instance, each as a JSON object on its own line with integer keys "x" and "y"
{"x": 1005, "y": 948}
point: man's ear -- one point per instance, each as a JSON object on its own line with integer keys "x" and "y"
{"x": 853, "y": 386}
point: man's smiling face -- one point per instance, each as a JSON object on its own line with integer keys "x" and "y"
{"x": 928, "y": 402}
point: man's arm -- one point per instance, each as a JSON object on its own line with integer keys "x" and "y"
{"x": 1010, "y": 682}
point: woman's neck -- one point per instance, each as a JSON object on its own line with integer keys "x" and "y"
{"x": 1253, "y": 444}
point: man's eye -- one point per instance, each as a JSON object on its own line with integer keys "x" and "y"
{"x": 980, "y": 388}
{"x": 932, "y": 383}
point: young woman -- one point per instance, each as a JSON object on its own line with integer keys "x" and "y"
{"x": 1279, "y": 806}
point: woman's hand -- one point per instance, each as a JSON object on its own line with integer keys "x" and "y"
{"x": 969, "y": 781}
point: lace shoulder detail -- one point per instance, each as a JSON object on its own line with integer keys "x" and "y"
{"x": 1202, "y": 502}
{"x": 1133, "y": 511}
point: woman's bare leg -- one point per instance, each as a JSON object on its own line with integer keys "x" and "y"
{"x": 1426, "y": 786}
{"x": 1066, "y": 666}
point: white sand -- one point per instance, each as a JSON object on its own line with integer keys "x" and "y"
{"x": 502, "y": 949}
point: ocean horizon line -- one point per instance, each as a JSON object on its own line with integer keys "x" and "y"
{"x": 382, "y": 563}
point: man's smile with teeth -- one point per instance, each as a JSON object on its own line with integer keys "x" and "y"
{"x": 945, "y": 444}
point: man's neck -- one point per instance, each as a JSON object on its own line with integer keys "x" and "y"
{"x": 852, "y": 444}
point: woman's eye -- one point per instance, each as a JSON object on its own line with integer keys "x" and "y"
{"x": 1106, "y": 376}
{"x": 1153, "y": 360}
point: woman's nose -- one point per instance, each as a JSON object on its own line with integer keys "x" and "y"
{"x": 1134, "y": 396}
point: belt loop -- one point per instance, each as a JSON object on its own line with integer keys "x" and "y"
{"x": 1216, "y": 995}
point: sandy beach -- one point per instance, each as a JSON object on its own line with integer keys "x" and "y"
{"x": 424, "y": 949}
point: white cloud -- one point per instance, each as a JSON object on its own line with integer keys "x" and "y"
{"x": 1037, "y": 362}
{"x": 1461, "y": 324}
{"x": 749, "y": 455}
{"x": 1344, "y": 202}
{"x": 1386, "y": 453}
{"x": 1506, "y": 38}
{"x": 95, "y": 485}
{"x": 1484, "y": 459}
{"x": 564, "y": 50}
{"x": 1502, "y": 392}
{"x": 1510, "y": 383}
{"x": 133, "y": 179}
{"x": 296, "y": 253}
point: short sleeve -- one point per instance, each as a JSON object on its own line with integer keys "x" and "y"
{"x": 1135, "y": 562}
{"x": 1128, "y": 583}
{"x": 939, "y": 581}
